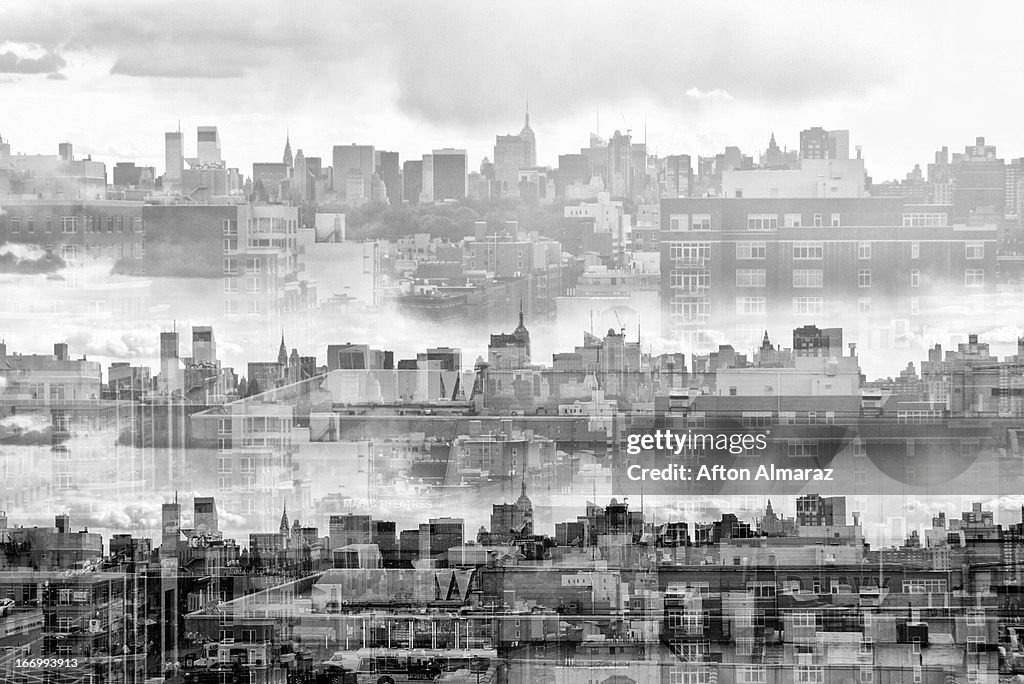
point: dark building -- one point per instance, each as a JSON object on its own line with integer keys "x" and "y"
{"x": 449, "y": 174}
{"x": 391, "y": 174}
{"x": 572, "y": 169}
{"x": 412, "y": 180}
{"x": 808, "y": 340}
{"x": 738, "y": 263}
{"x": 185, "y": 241}
{"x": 111, "y": 230}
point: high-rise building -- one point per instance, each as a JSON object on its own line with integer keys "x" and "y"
{"x": 349, "y": 159}
{"x": 511, "y": 153}
{"x": 678, "y": 176}
{"x": 390, "y": 172}
{"x": 204, "y": 347}
{"x": 174, "y": 158}
{"x": 817, "y": 143}
{"x": 412, "y": 180}
{"x": 449, "y": 174}
{"x": 208, "y": 146}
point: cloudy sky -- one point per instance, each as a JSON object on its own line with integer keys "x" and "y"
{"x": 905, "y": 78}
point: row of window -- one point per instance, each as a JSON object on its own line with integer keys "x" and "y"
{"x": 973, "y": 251}
{"x": 815, "y": 278}
{"x": 70, "y": 224}
{"x": 699, "y": 310}
{"x": 802, "y": 279}
{"x": 770, "y": 222}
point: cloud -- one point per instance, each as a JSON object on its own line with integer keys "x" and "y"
{"x": 179, "y": 66}
{"x": 48, "y": 63}
{"x": 716, "y": 94}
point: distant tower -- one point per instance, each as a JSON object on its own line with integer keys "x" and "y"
{"x": 523, "y": 515}
{"x": 285, "y": 527}
{"x": 529, "y": 139}
{"x": 282, "y": 353}
{"x": 288, "y": 159}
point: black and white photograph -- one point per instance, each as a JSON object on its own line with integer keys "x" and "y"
{"x": 509, "y": 343}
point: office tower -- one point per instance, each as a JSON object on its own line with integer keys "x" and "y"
{"x": 678, "y": 176}
{"x": 817, "y": 143}
{"x": 511, "y": 153}
{"x": 208, "y": 146}
{"x": 449, "y": 174}
{"x": 205, "y": 515}
{"x": 349, "y": 159}
{"x": 204, "y": 347}
{"x": 412, "y": 180}
{"x": 391, "y": 173}
{"x": 174, "y": 158}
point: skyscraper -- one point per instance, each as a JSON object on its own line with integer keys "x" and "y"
{"x": 174, "y": 158}
{"x": 513, "y": 152}
{"x": 390, "y": 172}
{"x": 352, "y": 158}
{"x": 449, "y": 174}
{"x": 208, "y": 146}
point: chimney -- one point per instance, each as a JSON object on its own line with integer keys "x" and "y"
{"x": 65, "y": 151}
{"x": 60, "y": 351}
{"x": 63, "y": 523}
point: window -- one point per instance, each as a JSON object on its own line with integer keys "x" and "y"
{"x": 252, "y": 265}
{"x": 701, "y": 222}
{"x": 791, "y": 220}
{"x": 864, "y": 305}
{"x": 803, "y": 278}
{"x": 863, "y": 250}
{"x": 110, "y": 224}
{"x": 750, "y": 305}
{"x": 15, "y": 224}
{"x": 690, "y": 280}
{"x": 809, "y": 674}
{"x": 750, "y": 277}
{"x": 751, "y": 674}
{"x": 915, "y": 306}
{"x": 835, "y": 220}
{"x": 915, "y": 250}
{"x": 690, "y": 310}
{"x": 230, "y": 228}
{"x": 975, "y": 644}
{"x": 762, "y": 222}
{"x": 860, "y": 475}
{"x": 976, "y": 617}
{"x": 69, "y": 224}
{"x": 802, "y": 448}
{"x": 867, "y": 675}
{"x": 689, "y": 251}
{"x": 808, "y": 250}
{"x": 230, "y": 266}
{"x": 808, "y": 305}
{"x": 975, "y": 250}
{"x": 803, "y": 619}
{"x": 817, "y": 220}
{"x": 230, "y": 285}
{"x": 692, "y": 651}
{"x": 918, "y": 674}
{"x": 924, "y": 586}
{"x": 689, "y": 675}
{"x": 974, "y": 277}
{"x": 230, "y": 244}
{"x": 924, "y": 220}
{"x": 750, "y": 250}
{"x": 864, "y": 277}
{"x": 678, "y": 221}
{"x": 915, "y": 278}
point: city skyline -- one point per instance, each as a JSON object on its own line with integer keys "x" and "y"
{"x": 391, "y": 85}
